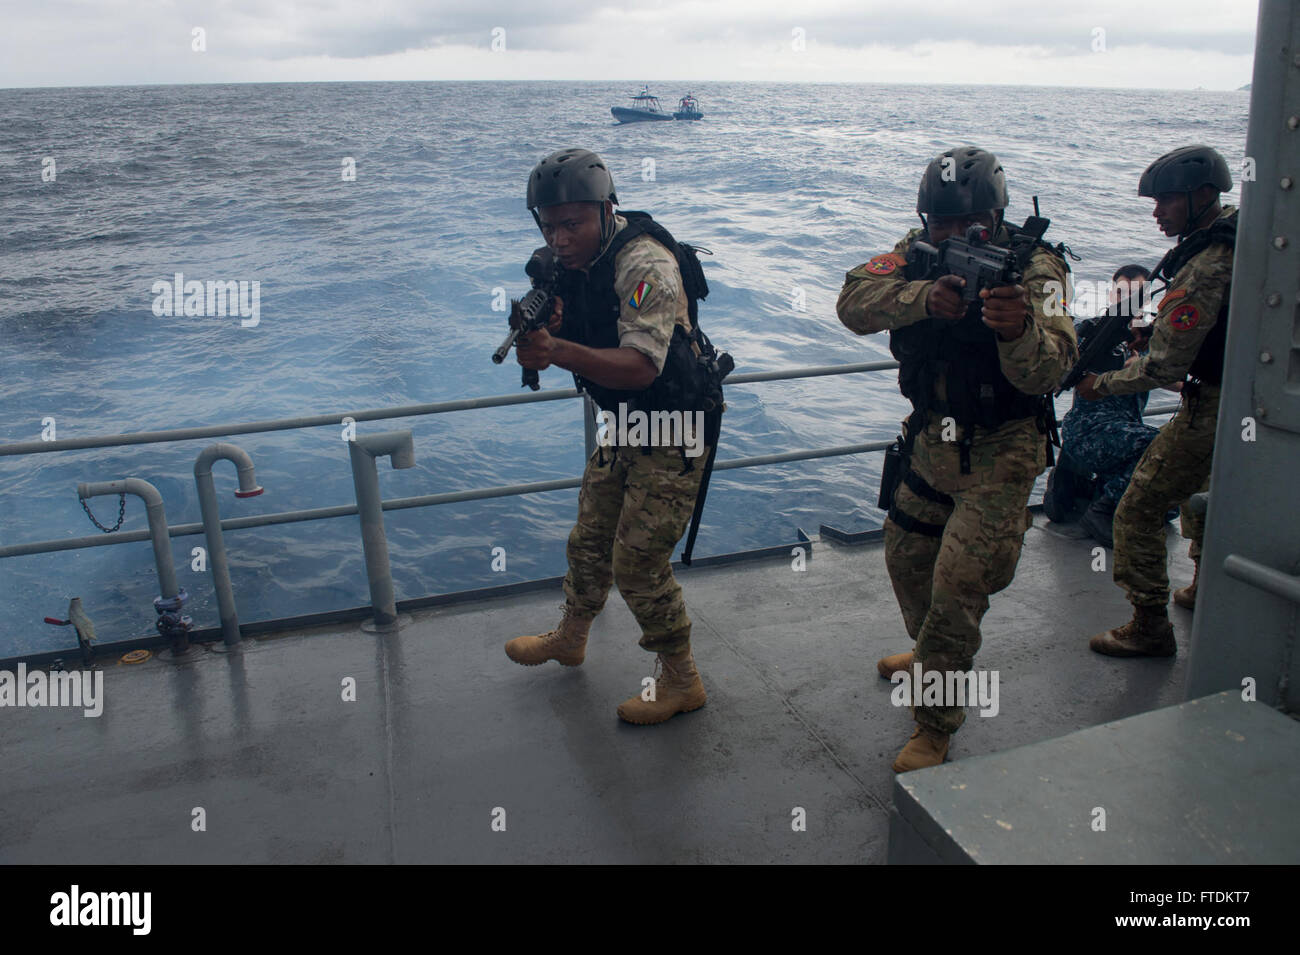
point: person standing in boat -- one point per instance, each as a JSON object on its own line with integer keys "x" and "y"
{"x": 979, "y": 378}
{"x": 623, "y": 326}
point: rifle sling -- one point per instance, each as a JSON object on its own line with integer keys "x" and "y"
{"x": 699, "y": 504}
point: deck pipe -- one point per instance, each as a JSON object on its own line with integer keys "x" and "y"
{"x": 363, "y": 450}
{"x": 153, "y": 507}
{"x": 248, "y": 487}
{"x": 171, "y": 600}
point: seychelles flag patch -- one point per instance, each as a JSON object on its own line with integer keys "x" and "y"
{"x": 639, "y": 294}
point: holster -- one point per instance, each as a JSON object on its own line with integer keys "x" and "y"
{"x": 891, "y": 474}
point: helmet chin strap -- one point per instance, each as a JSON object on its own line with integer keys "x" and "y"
{"x": 606, "y": 233}
{"x": 1191, "y": 226}
{"x": 606, "y": 226}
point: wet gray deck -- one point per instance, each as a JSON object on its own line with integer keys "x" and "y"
{"x": 445, "y": 729}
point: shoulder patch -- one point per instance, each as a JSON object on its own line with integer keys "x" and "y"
{"x": 1184, "y": 317}
{"x": 884, "y": 264}
{"x": 639, "y": 293}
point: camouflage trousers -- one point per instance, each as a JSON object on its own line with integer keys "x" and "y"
{"x": 632, "y": 510}
{"x": 1175, "y": 466}
{"x": 943, "y": 583}
{"x": 1192, "y": 525}
{"x": 1111, "y": 450}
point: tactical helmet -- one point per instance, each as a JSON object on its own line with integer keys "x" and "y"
{"x": 570, "y": 175}
{"x": 961, "y": 182}
{"x": 1184, "y": 170}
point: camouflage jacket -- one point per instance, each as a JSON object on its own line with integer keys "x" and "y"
{"x": 878, "y": 297}
{"x": 1187, "y": 314}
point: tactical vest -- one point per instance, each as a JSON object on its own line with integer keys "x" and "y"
{"x": 1207, "y": 366}
{"x": 965, "y": 354}
{"x": 591, "y": 313}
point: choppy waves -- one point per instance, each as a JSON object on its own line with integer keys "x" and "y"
{"x": 379, "y": 291}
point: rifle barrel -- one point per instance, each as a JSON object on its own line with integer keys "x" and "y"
{"x": 499, "y": 355}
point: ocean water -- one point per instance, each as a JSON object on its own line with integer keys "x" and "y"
{"x": 379, "y": 291}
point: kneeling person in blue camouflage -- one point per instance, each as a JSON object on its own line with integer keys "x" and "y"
{"x": 1187, "y": 345}
{"x": 978, "y": 374}
{"x": 1106, "y": 437}
{"x": 623, "y": 324}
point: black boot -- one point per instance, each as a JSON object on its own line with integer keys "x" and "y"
{"x": 1065, "y": 485}
{"x": 1099, "y": 521}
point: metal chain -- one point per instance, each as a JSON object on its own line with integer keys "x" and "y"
{"x": 121, "y": 509}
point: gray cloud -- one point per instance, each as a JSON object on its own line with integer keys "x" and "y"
{"x": 334, "y": 29}
{"x": 128, "y": 41}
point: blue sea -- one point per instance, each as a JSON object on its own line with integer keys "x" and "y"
{"x": 379, "y": 292}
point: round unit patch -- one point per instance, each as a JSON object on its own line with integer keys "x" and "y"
{"x": 1184, "y": 317}
{"x": 883, "y": 264}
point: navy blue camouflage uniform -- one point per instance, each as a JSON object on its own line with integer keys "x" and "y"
{"x": 1107, "y": 437}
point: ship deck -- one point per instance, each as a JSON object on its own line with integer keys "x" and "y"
{"x": 447, "y": 735}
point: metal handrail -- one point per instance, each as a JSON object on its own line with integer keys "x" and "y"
{"x": 403, "y": 411}
{"x": 385, "y": 617}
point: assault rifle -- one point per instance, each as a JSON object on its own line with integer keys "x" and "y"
{"x": 1102, "y": 335}
{"x": 530, "y": 313}
{"x": 982, "y": 264}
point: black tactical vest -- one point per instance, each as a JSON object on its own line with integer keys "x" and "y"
{"x": 965, "y": 354}
{"x": 1207, "y": 366}
{"x": 591, "y": 312}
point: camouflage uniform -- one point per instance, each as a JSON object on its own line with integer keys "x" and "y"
{"x": 1192, "y": 525}
{"x": 1177, "y": 463}
{"x": 634, "y": 506}
{"x": 943, "y": 583}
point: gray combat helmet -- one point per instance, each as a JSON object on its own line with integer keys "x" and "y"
{"x": 570, "y": 175}
{"x": 961, "y": 182}
{"x": 1185, "y": 169}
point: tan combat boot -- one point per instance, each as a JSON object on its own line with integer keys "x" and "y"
{"x": 677, "y": 689}
{"x": 566, "y": 644}
{"x": 895, "y": 662}
{"x": 927, "y": 747}
{"x": 1148, "y": 634}
{"x": 1186, "y": 596}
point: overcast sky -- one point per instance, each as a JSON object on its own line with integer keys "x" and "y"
{"x": 1179, "y": 44}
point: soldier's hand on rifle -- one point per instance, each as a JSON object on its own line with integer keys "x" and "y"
{"x": 1086, "y": 389}
{"x": 536, "y": 350}
{"x": 1005, "y": 309}
{"x": 944, "y": 298}
{"x": 1139, "y": 338}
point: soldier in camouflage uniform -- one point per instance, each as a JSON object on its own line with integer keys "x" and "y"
{"x": 620, "y": 294}
{"x": 976, "y": 376}
{"x": 1187, "y": 342}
